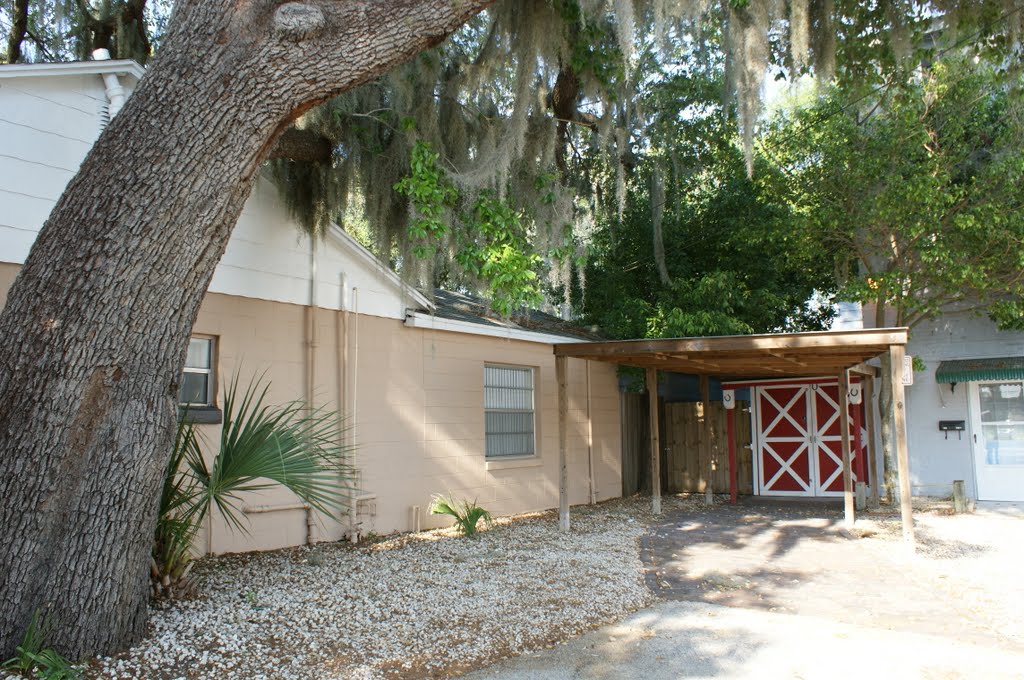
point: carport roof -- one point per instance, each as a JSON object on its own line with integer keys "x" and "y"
{"x": 730, "y": 357}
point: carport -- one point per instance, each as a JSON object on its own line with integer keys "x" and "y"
{"x": 753, "y": 357}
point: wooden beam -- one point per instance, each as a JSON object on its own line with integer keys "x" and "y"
{"x": 561, "y": 373}
{"x": 844, "y": 431}
{"x": 788, "y": 359}
{"x": 871, "y": 339}
{"x": 864, "y": 370}
{"x": 896, "y": 354}
{"x": 652, "y": 392}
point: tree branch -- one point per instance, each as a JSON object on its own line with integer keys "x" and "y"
{"x": 303, "y": 145}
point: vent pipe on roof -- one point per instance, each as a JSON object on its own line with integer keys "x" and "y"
{"x": 115, "y": 92}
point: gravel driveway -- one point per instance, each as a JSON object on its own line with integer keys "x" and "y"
{"x": 779, "y": 590}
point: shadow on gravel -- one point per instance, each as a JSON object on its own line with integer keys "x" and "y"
{"x": 795, "y": 557}
{"x": 736, "y": 555}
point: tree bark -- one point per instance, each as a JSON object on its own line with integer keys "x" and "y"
{"x": 657, "y": 217}
{"x": 97, "y": 322}
{"x": 303, "y": 145}
{"x": 887, "y": 430}
{"x": 19, "y": 29}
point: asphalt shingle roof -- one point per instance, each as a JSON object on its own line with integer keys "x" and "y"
{"x": 462, "y": 307}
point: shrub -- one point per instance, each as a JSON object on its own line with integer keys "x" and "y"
{"x": 260, "y": 446}
{"x": 467, "y": 514}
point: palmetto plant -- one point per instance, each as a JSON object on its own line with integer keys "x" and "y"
{"x": 467, "y": 514}
{"x": 261, "y": 446}
{"x": 33, "y": 659}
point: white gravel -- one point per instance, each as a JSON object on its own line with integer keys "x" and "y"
{"x": 425, "y": 605}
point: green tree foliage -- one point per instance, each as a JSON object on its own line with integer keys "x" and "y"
{"x": 916, "y": 191}
{"x": 65, "y": 30}
{"x": 699, "y": 248}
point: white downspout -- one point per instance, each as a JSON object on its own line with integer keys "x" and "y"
{"x": 353, "y": 502}
{"x": 312, "y": 343}
{"x": 115, "y": 91}
{"x": 344, "y": 434}
{"x": 591, "y": 479}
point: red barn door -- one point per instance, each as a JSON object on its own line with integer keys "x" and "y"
{"x": 799, "y": 441}
{"x": 784, "y": 440}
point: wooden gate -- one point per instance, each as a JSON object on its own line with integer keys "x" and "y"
{"x": 689, "y": 457}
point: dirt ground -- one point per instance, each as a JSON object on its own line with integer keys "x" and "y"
{"x": 794, "y": 557}
{"x": 780, "y": 590}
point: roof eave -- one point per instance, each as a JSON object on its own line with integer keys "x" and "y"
{"x": 120, "y": 67}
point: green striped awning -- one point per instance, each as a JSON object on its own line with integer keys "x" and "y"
{"x": 965, "y": 370}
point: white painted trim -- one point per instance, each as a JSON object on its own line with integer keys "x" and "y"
{"x": 120, "y": 67}
{"x": 436, "y": 323}
{"x": 356, "y": 248}
{"x": 512, "y": 463}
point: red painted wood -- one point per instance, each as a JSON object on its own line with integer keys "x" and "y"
{"x": 785, "y": 462}
{"x": 800, "y": 439}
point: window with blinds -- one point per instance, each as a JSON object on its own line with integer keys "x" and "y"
{"x": 508, "y": 411}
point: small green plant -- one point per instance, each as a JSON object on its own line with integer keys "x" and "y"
{"x": 467, "y": 514}
{"x": 33, "y": 659}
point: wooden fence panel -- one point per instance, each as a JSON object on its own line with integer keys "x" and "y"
{"x": 635, "y": 443}
{"x": 687, "y": 462}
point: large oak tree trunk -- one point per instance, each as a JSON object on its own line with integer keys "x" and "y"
{"x": 96, "y": 324}
{"x": 890, "y": 475}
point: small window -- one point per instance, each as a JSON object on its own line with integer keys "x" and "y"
{"x": 508, "y": 411}
{"x": 197, "y": 389}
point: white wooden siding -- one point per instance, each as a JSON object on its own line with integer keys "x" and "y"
{"x": 48, "y": 123}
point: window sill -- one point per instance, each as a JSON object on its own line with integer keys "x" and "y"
{"x": 202, "y": 415}
{"x": 512, "y": 463}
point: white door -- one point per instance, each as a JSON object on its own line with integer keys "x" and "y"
{"x": 997, "y": 415}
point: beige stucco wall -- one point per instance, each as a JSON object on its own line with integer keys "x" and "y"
{"x": 418, "y": 421}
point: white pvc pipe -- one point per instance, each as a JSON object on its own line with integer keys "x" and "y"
{"x": 353, "y": 514}
{"x": 115, "y": 92}
{"x": 311, "y": 348}
{"x": 590, "y": 443}
{"x": 260, "y": 509}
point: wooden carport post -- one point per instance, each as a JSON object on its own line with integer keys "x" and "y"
{"x": 899, "y": 417}
{"x": 705, "y": 438}
{"x": 561, "y": 369}
{"x": 652, "y": 396}
{"x": 844, "y": 429}
{"x": 730, "y": 427}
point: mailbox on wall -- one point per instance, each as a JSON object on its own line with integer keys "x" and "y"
{"x": 947, "y": 426}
